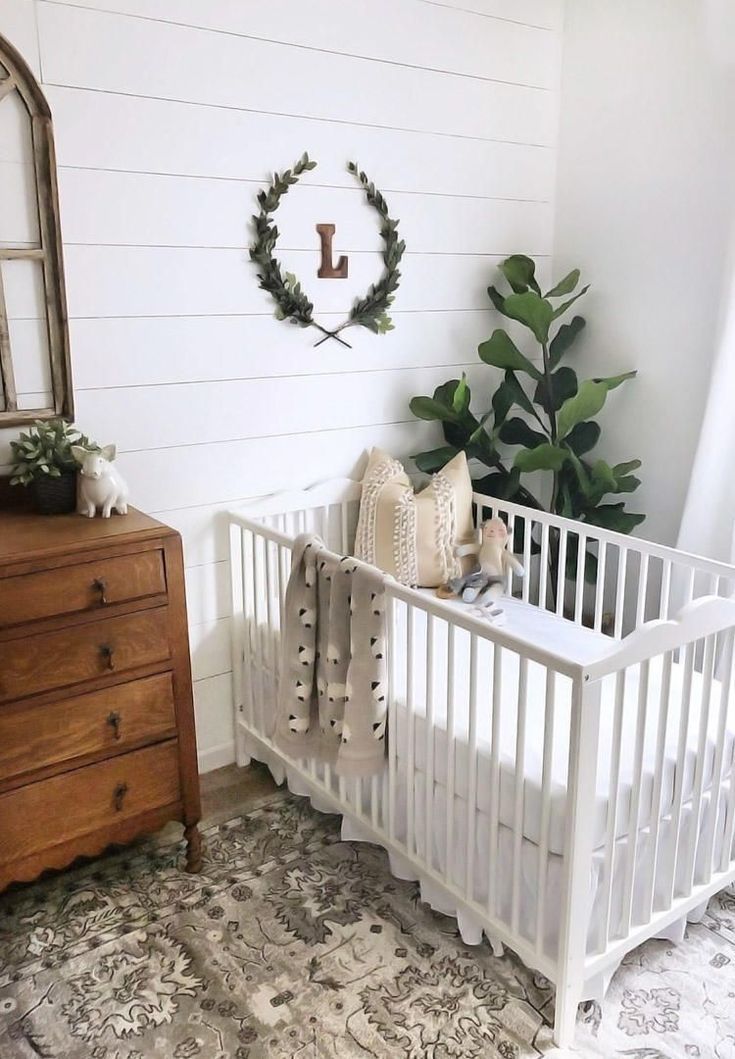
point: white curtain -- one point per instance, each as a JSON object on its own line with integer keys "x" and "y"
{"x": 708, "y": 522}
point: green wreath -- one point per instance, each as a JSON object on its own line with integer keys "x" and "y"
{"x": 291, "y": 301}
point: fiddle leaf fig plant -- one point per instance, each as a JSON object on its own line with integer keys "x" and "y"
{"x": 542, "y": 416}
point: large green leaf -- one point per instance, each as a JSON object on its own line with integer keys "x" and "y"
{"x": 563, "y": 385}
{"x": 628, "y": 483}
{"x": 445, "y": 393}
{"x": 429, "y": 408}
{"x": 461, "y": 396}
{"x": 520, "y": 271}
{"x": 626, "y": 468}
{"x": 519, "y": 394}
{"x": 603, "y": 478}
{"x": 563, "y": 339}
{"x": 564, "y": 286}
{"x": 500, "y": 351}
{"x": 544, "y": 457}
{"x": 531, "y": 310}
{"x": 583, "y": 437}
{"x": 517, "y": 432}
{"x": 587, "y": 402}
{"x": 497, "y": 299}
{"x": 435, "y": 459}
{"x": 493, "y": 484}
{"x": 561, "y": 309}
{"x": 502, "y": 402}
{"x": 613, "y": 381}
{"x": 614, "y": 517}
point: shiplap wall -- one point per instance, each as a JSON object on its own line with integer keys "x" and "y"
{"x": 169, "y": 114}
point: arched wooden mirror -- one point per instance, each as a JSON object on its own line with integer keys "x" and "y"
{"x": 35, "y": 373}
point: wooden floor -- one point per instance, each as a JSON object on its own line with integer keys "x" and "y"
{"x": 232, "y": 791}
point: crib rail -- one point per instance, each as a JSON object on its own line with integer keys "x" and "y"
{"x": 605, "y": 580}
{"x": 569, "y": 810}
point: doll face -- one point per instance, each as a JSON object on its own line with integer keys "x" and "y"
{"x": 494, "y": 531}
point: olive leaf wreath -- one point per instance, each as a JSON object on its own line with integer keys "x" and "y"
{"x": 291, "y": 300}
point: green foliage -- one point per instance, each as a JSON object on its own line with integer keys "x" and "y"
{"x": 44, "y": 451}
{"x": 291, "y": 300}
{"x": 555, "y": 431}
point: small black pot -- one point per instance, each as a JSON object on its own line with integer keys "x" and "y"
{"x": 55, "y": 496}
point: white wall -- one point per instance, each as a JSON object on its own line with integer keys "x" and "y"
{"x": 168, "y": 117}
{"x": 645, "y": 197}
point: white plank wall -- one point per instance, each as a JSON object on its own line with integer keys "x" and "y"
{"x": 168, "y": 117}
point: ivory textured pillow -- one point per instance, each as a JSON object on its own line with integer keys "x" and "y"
{"x": 413, "y": 535}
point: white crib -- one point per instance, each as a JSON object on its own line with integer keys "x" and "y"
{"x": 563, "y": 782}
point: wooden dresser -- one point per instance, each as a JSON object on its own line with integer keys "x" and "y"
{"x": 97, "y": 741}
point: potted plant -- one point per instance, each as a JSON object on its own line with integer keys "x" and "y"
{"x": 44, "y": 463}
{"x": 541, "y": 418}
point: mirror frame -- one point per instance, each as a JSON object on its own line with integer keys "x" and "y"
{"x": 49, "y": 253}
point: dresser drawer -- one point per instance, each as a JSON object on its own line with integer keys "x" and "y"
{"x": 60, "y": 659}
{"x": 88, "y": 799}
{"x": 86, "y": 586}
{"x": 34, "y": 737}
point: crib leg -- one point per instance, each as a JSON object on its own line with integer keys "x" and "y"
{"x": 568, "y": 997}
{"x": 241, "y": 756}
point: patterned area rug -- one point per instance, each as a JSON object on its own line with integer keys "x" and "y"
{"x": 295, "y": 944}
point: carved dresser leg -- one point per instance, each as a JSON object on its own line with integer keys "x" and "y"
{"x": 193, "y": 848}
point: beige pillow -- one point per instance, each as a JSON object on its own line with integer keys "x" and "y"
{"x": 413, "y": 535}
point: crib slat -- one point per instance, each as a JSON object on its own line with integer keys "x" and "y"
{"x": 391, "y": 606}
{"x": 257, "y": 637}
{"x": 631, "y": 842}
{"x": 663, "y": 608}
{"x": 620, "y": 592}
{"x": 429, "y": 742}
{"x": 561, "y": 572}
{"x": 600, "y": 584}
{"x": 579, "y": 577}
{"x": 494, "y": 780}
{"x": 708, "y": 665}
{"x": 247, "y": 645}
{"x": 344, "y": 530}
{"x": 729, "y": 810}
{"x": 471, "y": 775}
{"x": 686, "y": 697}
{"x": 543, "y": 849}
{"x": 689, "y": 591}
{"x": 451, "y": 751}
{"x": 710, "y": 829}
{"x": 269, "y": 611}
{"x": 612, "y": 805}
{"x": 509, "y": 575}
{"x": 527, "y": 532}
{"x": 543, "y": 566}
{"x": 520, "y": 769}
{"x": 411, "y": 726}
{"x": 640, "y": 609}
{"x": 657, "y": 795}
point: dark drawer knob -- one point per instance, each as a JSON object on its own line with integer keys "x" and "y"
{"x": 106, "y": 654}
{"x": 100, "y": 586}
{"x": 119, "y": 796}
{"x": 113, "y": 720}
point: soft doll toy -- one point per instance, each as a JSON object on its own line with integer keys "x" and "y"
{"x": 484, "y": 585}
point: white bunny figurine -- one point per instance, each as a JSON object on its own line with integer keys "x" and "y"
{"x": 100, "y": 484}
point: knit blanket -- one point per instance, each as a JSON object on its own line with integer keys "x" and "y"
{"x": 332, "y": 692}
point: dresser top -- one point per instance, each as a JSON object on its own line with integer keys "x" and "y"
{"x": 26, "y": 535}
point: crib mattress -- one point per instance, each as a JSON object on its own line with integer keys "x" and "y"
{"x": 431, "y": 741}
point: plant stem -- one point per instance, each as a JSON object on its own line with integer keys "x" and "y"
{"x": 329, "y": 334}
{"x": 552, "y": 421}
